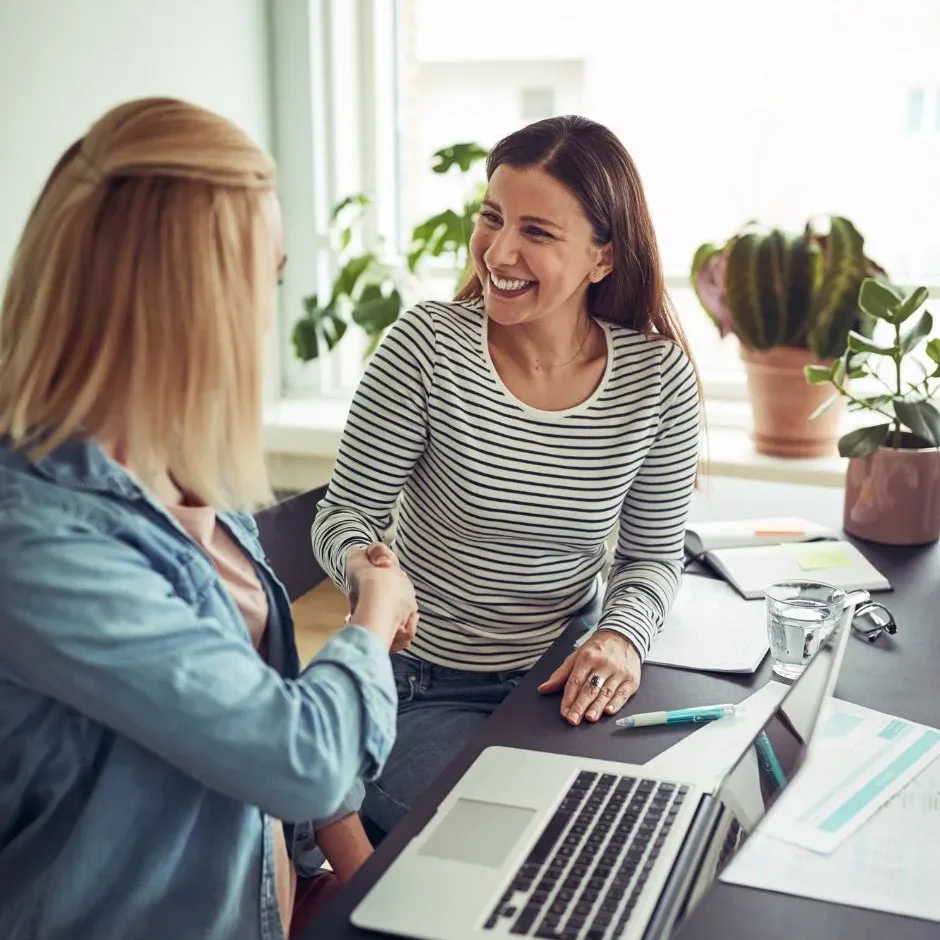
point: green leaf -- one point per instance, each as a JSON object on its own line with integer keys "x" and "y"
{"x": 447, "y": 231}
{"x": 921, "y": 418}
{"x": 357, "y": 199}
{"x": 916, "y": 333}
{"x": 933, "y": 349}
{"x": 835, "y": 300}
{"x": 304, "y": 339}
{"x": 863, "y": 441}
{"x": 856, "y": 364}
{"x": 318, "y": 330}
{"x": 333, "y": 328}
{"x": 911, "y": 304}
{"x": 838, "y": 371}
{"x": 859, "y": 343}
{"x": 375, "y": 311}
{"x": 825, "y": 406}
{"x": 817, "y": 375}
{"x": 459, "y": 155}
{"x": 878, "y": 300}
{"x": 349, "y": 276}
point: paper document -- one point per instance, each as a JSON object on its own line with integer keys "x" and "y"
{"x": 705, "y": 536}
{"x": 705, "y": 755}
{"x": 891, "y": 864}
{"x": 859, "y": 760}
{"x": 712, "y": 629}
{"x": 839, "y": 563}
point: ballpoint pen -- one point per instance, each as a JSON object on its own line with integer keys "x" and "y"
{"x": 677, "y": 716}
{"x": 768, "y": 759}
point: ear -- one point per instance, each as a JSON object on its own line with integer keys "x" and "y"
{"x": 603, "y": 263}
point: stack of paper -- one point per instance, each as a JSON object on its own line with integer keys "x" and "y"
{"x": 754, "y": 553}
{"x": 891, "y": 864}
{"x": 860, "y": 823}
{"x": 706, "y": 536}
{"x": 712, "y": 629}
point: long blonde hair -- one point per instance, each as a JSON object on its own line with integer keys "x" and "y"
{"x": 141, "y": 285}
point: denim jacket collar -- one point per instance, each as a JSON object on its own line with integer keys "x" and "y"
{"x": 81, "y": 464}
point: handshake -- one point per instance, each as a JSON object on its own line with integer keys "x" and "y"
{"x": 381, "y": 596}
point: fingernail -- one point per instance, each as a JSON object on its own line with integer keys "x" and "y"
{"x": 592, "y": 714}
{"x": 574, "y": 718}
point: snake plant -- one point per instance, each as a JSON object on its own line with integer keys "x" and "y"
{"x": 773, "y": 288}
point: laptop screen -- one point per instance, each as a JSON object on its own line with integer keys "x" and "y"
{"x": 767, "y": 765}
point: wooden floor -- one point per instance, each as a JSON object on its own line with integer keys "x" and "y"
{"x": 318, "y": 614}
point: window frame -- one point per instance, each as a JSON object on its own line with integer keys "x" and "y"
{"x": 326, "y": 55}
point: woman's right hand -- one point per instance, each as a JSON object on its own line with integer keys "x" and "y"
{"x": 381, "y": 596}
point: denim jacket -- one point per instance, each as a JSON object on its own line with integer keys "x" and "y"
{"x": 145, "y": 746}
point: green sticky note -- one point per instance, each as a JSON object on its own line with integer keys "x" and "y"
{"x": 813, "y": 556}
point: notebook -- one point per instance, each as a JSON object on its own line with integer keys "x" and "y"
{"x": 709, "y": 628}
{"x": 753, "y": 553}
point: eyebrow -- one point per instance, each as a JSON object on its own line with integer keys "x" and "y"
{"x": 282, "y": 265}
{"x": 538, "y": 220}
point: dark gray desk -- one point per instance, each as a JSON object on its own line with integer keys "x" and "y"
{"x": 897, "y": 680}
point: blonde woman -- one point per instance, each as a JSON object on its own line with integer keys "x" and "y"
{"x": 161, "y": 753}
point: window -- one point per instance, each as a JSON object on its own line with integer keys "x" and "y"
{"x": 724, "y": 125}
{"x": 915, "y": 110}
{"x": 537, "y": 103}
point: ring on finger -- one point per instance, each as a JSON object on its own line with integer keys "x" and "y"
{"x": 595, "y": 681}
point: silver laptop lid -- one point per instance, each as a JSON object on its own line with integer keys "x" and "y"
{"x": 765, "y": 768}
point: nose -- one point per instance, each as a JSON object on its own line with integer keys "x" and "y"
{"x": 503, "y": 250}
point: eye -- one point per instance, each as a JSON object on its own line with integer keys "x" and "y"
{"x": 490, "y": 217}
{"x": 533, "y": 231}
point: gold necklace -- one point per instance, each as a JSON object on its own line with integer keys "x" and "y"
{"x": 561, "y": 365}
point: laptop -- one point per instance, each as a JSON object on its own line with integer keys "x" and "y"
{"x": 530, "y": 844}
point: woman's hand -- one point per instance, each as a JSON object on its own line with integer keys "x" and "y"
{"x": 362, "y": 569}
{"x": 615, "y": 663}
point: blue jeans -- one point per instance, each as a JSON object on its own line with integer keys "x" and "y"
{"x": 439, "y": 712}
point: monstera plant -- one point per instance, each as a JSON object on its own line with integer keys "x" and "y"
{"x": 368, "y": 288}
{"x": 791, "y": 300}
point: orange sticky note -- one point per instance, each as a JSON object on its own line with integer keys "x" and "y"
{"x": 778, "y": 529}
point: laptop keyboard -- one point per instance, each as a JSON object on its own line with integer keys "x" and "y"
{"x": 582, "y": 879}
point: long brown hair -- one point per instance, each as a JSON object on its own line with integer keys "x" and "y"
{"x": 593, "y": 164}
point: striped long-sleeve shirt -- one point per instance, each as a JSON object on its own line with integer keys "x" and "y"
{"x": 505, "y": 509}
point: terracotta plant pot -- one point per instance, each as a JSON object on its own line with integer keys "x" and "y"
{"x": 893, "y": 496}
{"x": 782, "y": 401}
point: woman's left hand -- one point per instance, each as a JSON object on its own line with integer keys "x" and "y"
{"x": 599, "y": 678}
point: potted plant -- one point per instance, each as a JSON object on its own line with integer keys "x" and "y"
{"x": 791, "y": 301}
{"x": 368, "y": 290}
{"x": 892, "y": 489}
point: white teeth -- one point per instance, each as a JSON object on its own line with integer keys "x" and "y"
{"x": 508, "y": 285}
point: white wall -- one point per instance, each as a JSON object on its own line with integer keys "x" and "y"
{"x": 64, "y": 62}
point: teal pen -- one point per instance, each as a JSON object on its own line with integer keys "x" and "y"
{"x": 680, "y": 716}
{"x": 768, "y": 759}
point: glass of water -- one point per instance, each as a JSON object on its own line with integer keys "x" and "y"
{"x": 801, "y": 617}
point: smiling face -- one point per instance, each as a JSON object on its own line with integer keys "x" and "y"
{"x": 533, "y": 248}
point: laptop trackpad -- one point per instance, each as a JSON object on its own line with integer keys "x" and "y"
{"x": 478, "y": 833}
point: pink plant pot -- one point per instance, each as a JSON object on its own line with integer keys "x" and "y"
{"x": 893, "y": 496}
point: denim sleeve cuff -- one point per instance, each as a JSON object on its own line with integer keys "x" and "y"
{"x": 358, "y": 653}
{"x": 351, "y": 804}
